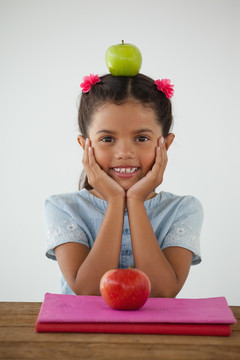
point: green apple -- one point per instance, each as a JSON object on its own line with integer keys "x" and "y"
{"x": 123, "y": 59}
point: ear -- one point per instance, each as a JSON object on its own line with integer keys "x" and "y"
{"x": 81, "y": 141}
{"x": 168, "y": 140}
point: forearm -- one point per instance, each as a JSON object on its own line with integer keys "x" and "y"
{"x": 105, "y": 252}
{"x": 148, "y": 255}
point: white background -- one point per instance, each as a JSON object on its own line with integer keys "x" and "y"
{"x": 47, "y": 47}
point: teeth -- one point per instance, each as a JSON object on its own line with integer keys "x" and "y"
{"x": 125, "y": 170}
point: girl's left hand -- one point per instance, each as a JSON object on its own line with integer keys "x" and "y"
{"x": 153, "y": 178}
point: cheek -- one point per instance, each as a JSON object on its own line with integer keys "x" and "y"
{"x": 102, "y": 156}
{"x": 148, "y": 158}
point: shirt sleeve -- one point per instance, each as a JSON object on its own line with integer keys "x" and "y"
{"x": 60, "y": 228}
{"x": 185, "y": 229}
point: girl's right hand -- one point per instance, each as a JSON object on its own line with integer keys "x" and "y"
{"x": 108, "y": 188}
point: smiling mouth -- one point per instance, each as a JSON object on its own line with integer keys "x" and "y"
{"x": 125, "y": 172}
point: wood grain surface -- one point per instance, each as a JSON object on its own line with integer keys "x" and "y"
{"x": 18, "y": 340}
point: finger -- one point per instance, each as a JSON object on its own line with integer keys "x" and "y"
{"x": 85, "y": 154}
{"x": 161, "y": 159}
{"x": 162, "y": 146}
{"x": 86, "y": 164}
{"x": 159, "y": 154}
{"x": 164, "y": 157}
{"x": 92, "y": 161}
{"x": 91, "y": 157}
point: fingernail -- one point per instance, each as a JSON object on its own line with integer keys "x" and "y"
{"x": 87, "y": 141}
{"x": 162, "y": 140}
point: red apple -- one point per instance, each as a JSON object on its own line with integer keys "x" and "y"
{"x": 125, "y": 289}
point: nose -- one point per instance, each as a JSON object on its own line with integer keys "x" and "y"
{"x": 124, "y": 150}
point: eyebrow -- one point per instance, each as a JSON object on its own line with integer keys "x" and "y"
{"x": 114, "y": 132}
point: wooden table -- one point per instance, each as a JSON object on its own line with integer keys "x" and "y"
{"x": 18, "y": 340}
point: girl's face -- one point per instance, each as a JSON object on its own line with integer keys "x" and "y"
{"x": 124, "y": 139}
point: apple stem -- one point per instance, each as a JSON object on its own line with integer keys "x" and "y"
{"x": 122, "y": 42}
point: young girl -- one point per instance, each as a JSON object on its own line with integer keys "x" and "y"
{"x": 118, "y": 220}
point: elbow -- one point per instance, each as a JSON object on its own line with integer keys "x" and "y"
{"x": 165, "y": 293}
{"x": 84, "y": 290}
{"x": 162, "y": 294}
{"x": 170, "y": 294}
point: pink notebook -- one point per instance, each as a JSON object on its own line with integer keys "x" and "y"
{"x": 70, "y": 313}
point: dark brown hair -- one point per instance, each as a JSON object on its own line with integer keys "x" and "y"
{"x": 118, "y": 90}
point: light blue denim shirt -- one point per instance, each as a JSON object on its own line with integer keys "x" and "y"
{"x": 77, "y": 217}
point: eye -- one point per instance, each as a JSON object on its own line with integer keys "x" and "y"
{"x": 142, "y": 138}
{"x": 107, "y": 139}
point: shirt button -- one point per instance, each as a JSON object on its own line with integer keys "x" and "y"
{"x": 126, "y": 231}
{"x": 128, "y": 252}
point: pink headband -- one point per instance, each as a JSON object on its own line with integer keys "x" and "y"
{"x": 162, "y": 85}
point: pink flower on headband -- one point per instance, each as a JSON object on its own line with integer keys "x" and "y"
{"x": 89, "y": 81}
{"x": 165, "y": 86}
